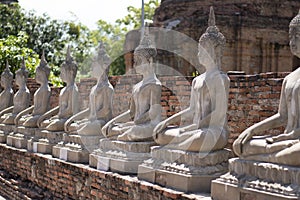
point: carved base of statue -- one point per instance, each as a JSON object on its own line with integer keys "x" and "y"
{"x": 257, "y": 180}
{"x": 120, "y": 156}
{"x": 76, "y": 148}
{"x": 19, "y": 138}
{"x": 5, "y": 130}
{"x": 182, "y": 170}
{"x": 44, "y": 141}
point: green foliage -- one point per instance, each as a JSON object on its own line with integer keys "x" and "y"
{"x": 42, "y": 33}
{"x": 13, "y": 49}
{"x": 113, "y": 35}
{"x": 133, "y": 19}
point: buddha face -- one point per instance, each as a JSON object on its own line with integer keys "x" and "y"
{"x": 5, "y": 82}
{"x": 294, "y": 34}
{"x": 19, "y": 79}
{"x": 40, "y": 76}
{"x": 64, "y": 74}
{"x": 98, "y": 69}
{"x": 206, "y": 54}
{"x": 140, "y": 64}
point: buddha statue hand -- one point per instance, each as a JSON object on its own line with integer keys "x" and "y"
{"x": 285, "y": 136}
{"x": 105, "y": 129}
{"x": 244, "y": 137}
{"x": 159, "y": 128}
{"x": 67, "y": 124}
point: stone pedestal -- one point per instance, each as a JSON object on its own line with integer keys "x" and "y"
{"x": 76, "y": 148}
{"x": 44, "y": 141}
{"x": 20, "y": 136}
{"x": 257, "y": 180}
{"x": 184, "y": 171}
{"x": 5, "y": 130}
{"x": 119, "y": 156}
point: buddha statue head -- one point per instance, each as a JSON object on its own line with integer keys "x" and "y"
{"x": 22, "y": 74}
{"x": 100, "y": 66}
{"x": 69, "y": 68}
{"x": 144, "y": 53}
{"x": 294, "y": 34}
{"x": 42, "y": 71}
{"x": 6, "y": 77}
{"x": 211, "y": 44}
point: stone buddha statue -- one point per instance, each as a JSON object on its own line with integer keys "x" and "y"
{"x": 192, "y": 154}
{"x": 208, "y": 103}
{"x": 6, "y": 96}
{"x": 284, "y": 148}
{"x": 91, "y": 120}
{"x": 68, "y": 98}
{"x": 30, "y": 116}
{"x": 138, "y": 122}
{"x": 21, "y": 99}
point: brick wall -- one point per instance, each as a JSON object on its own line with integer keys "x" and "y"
{"x": 253, "y": 98}
{"x": 25, "y": 175}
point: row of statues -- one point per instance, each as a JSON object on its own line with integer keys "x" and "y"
{"x": 138, "y": 141}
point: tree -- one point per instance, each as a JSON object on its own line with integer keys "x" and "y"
{"x": 13, "y": 49}
{"x": 133, "y": 19}
{"x": 41, "y": 33}
{"x": 114, "y": 34}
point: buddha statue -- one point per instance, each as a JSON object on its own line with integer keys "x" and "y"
{"x": 21, "y": 99}
{"x": 91, "y": 120}
{"x": 30, "y": 116}
{"x": 138, "y": 122}
{"x": 68, "y": 99}
{"x": 6, "y": 96}
{"x": 284, "y": 148}
{"x": 208, "y": 102}
{"x": 192, "y": 152}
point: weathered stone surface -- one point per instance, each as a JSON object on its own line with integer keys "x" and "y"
{"x": 76, "y": 148}
{"x": 256, "y": 32}
{"x": 44, "y": 141}
{"x": 5, "y": 130}
{"x": 258, "y": 179}
{"x": 120, "y": 156}
{"x": 184, "y": 171}
{"x": 20, "y": 136}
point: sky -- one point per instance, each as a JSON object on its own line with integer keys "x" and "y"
{"x": 87, "y": 12}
